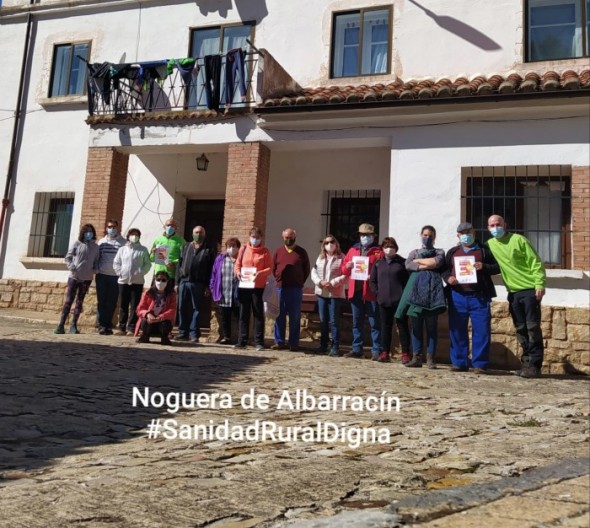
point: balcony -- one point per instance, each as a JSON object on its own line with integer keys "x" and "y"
{"x": 177, "y": 88}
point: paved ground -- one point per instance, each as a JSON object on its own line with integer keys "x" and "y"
{"x": 464, "y": 450}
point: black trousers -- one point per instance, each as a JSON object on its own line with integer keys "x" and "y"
{"x": 227, "y": 313}
{"x": 129, "y": 296}
{"x": 386, "y": 314}
{"x": 526, "y": 316}
{"x": 251, "y": 300}
{"x": 162, "y": 329}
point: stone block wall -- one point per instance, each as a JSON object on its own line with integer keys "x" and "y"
{"x": 566, "y": 330}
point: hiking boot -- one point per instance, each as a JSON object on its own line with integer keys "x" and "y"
{"x": 530, "y": 372}
{"x": 455, "y": 368}
{"x": 406, "y": 358}
{"x": 430, "y": 361}
{"x": 59, "y": 329}
{"x": 279, "y": 346}
{"x": 415, "y": 362}
{"x": 74, "y": 329}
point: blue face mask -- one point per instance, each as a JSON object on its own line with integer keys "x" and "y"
{"x": 426, "y": 241}
{"x": 366, "y": 240}
{"x": 111, "y": 231}
{"x": 169, "y": 230}
{"x": 89, "y": 235}
{"x": 467, "y": 239}
{"x": 497, "y": 232}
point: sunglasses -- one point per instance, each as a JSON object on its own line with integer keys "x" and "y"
{"x": 111, "y": 226}
{"x": 329, "y": 241}
{"x": 161, "y": 280}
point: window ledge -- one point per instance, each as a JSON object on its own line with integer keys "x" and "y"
{"x": 565, "y": 274}
{"x": 64, "y": 100}
{"x": 43, "y": 263}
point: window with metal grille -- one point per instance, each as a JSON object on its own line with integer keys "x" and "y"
{"x": 68, "y": 69}
{"x": 345, "y": 211}
{"x": 534, "y": 200}
{"x": 51, "y": 223}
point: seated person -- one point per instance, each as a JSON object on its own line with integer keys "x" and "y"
{"x": 157, "y": 310}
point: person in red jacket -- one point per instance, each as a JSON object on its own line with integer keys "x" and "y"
{"x": 362, "y": 299}
{"x": 157, "y": 310}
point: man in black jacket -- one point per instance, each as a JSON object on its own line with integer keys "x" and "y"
{"x": 469, "y": 267}
{"x": 192, "y": 281}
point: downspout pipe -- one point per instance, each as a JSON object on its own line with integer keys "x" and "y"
{"x": 11, "y": 173}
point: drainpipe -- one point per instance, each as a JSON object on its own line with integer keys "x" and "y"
{"x": 17, "y": 125}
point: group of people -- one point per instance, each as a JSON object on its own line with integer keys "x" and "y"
{"x": 382, "y": 287}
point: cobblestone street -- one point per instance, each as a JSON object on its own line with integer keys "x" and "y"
{"x": 74, "y": 451}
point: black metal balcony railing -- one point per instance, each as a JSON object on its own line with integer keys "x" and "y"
{"x": 142, "y": 88}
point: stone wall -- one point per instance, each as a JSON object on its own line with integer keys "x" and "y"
{"x": 566, "y": 330}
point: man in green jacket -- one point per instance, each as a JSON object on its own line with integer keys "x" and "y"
{"x": 524, "y": 277}
{"x": 166, "y": 249}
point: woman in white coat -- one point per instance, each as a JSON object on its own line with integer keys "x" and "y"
{"x": 329, "y": 288}
{"x": 131, "y": 264}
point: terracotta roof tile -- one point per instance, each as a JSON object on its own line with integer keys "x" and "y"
{"x": 443, "y": 88}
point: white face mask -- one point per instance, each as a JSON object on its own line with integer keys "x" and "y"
{"x": 330, "y": 247}
{"x": 161, "y": 285}
{"x": 134, "y": 239}
{"x": 389, "y": 252}
{"x": 232, "y": 251}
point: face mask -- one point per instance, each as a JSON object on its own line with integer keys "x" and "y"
{"x": 289, "y": 242}
{"x": 467, "y": 239}
{"x": 389, "y": 252}
{"x": 426, "y": 241}
{"x": 197, "y": 238}
{"x": 161, "y": 285}
{"x": 366, "y": 240}
{"x": 232, "y": 251}
{"x": 330, "y": 247}
{"x": 255, "y": 241}
{"x": 497, "y": 232}
{"x": 111, "y": 231}
{"x": 89, "y": 235}
{"x": 169, "y": 230}
{"x": 134, "y": 239}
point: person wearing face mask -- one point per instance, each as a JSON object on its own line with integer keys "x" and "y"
{"x": 362, "y": 299}
{"x": 170, "y": 244}
{"x": 524, "y": 276}
{"x": 157, "y": 310}
{"x": 131, "y": 263}
{"x": 291, "y": 269}
{"x": 388, "y": 280}
{"x": 192, "y": 282}
{"x": 253, "y": 255}
{"x": 82, "y": 262}
{"x": 223, "y": 286}
{"x": 425, "y": 296}
{"x": 107, "y": 286}
{"x": 470, "y": 301}
{"x": 329, "y": 288}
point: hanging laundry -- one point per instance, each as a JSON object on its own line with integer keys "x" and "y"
{"x": 234, "y": 64}
{"x": 212, "y": 81}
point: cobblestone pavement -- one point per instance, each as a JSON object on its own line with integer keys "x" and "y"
{"x": 465, "y": 450}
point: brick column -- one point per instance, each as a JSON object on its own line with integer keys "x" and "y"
{"x": 580, "y": 218}
{"x": 246, "y": 191}
{"x": 104, "y": 187}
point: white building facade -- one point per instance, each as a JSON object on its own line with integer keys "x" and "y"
{"x": 402, "y": 113}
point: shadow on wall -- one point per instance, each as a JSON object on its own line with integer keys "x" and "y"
{"x": 462, "y": 30}
{"x": 63, "y": 398}
{"x": 247, "y": 9}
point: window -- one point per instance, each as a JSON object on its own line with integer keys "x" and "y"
{"x": 361, "y": 41}
{"x": 51, "y": 223}
{"x": 534, "y": 200}
{"x": 214, "y": 41}
{"x": 68, "y": 73}
{"x": 557, "y": 29}
{"x": 345, "y": 211}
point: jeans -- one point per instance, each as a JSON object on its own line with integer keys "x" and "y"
{"x": 251, "y": 300}
{"x": 107, "y": 294}
{"x": 476, "y": 307}
{"x": 329, "y": 310}
{"x": 387, "y": 314}
{"x": 430, "y": 321}
{"x": 361, "y": 308}
{"x": 189, "y": 298}
{"x": 526, "y": 316}
{"x": 129, "y": 296}
{"x": 76, "y": 290}
{"x": 234, "y": 63}
{"x": 289, "y": 304}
